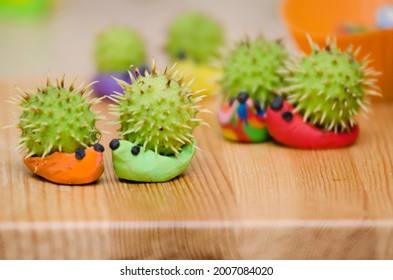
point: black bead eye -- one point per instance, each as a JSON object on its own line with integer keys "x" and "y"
{"x": 242, "y": 97}
{"x": 257, "y": 105}
{"x": 98, "y": 147}
{"x": 114, "y": 144}
{"x": 181, "y": 55}
{"x": 287, "y": 116}
{"x": 135, "y": 150}
{"x": 80, "y": 153}
{"x": 277, "y": 103}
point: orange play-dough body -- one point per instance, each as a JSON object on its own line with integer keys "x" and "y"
{"x": 65, "y": 168}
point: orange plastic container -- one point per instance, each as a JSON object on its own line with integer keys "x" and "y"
{"x": 322, "y": 18}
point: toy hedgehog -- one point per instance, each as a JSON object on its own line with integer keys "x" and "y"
{"x": 324, "y": 93}
{"x": 194, "y": 41}
{"x": 115, "y": 49}
{"x": 250, "y": 81}
{"x": 60, "y": 134}
{"x": 195, "y": 36}
{"x": 157, "y": 115}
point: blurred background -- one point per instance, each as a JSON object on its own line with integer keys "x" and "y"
{"x": 59, "y": 38}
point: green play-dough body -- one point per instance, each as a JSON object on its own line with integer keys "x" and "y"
{"x": 147, "y": 166}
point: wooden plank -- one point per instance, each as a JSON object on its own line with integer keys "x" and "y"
{"x": 234, "y": 201}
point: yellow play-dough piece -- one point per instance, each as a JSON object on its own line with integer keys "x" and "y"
{"x": 205, "y": 76}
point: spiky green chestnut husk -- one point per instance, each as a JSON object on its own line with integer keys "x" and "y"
{"x": 194, "y": 36}
{"x": 56, "y": 118}
{"x": 117, "y": 48}
{"x": 329, "y": 87}
{"x": 252, "y": 67}
{"x": 157, "y": 111}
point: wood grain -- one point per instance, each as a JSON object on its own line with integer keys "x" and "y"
{"x": 235, "y": 201}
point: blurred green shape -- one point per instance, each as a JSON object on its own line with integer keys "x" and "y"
{"x": 195, "y": 36}
{"x": 24, "y": 9}
{"x": 117, "y": 48}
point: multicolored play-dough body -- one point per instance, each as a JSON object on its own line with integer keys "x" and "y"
{"x": 243, "y": 120}
{"x": 289, "y": 128}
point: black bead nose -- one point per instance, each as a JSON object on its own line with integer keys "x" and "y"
{"x": 98, "y": 147}
{"x": 80, "y": 153}
{"x": 277, "y": 103}
{"x": 135, "y": 150}
{"x": 114, "y": 144}
{"x": 242, "y": 97}
{"x": 257, "y": 105}
{"x": 287, "y": 116}
{"x": 181, "y": 55}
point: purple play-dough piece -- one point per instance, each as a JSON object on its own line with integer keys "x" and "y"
{"x": 107, "y": 85}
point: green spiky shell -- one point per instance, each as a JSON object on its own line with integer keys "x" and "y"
{"x": 117, "y": 48}
{"x": 328, "y": 87}
{"x": 55, "y": 118}
{"x": 196, "y": 35}
{"x": 157, "y": 111}
{"x": 252, "y": 67}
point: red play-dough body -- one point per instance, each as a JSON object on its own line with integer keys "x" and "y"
{"x": 296, "y": 133}
{"x": 65, "y": 168}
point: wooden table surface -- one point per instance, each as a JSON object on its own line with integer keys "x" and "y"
{"x": 235, "y": 201}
